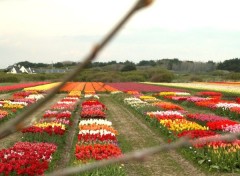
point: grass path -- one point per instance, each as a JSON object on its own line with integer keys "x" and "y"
{"x": 137, "y": 135}
{"x": 5, "y": 95}
{"x": 66, "y": 156}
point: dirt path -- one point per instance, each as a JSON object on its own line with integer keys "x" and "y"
{"x": 12, "y": 139}
{"x": 69, "y": 142}
{"x": 139, "y": 136}
{"x": 5, "y": 95}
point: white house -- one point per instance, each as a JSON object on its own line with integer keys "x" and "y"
{"x": 16, "y": 69}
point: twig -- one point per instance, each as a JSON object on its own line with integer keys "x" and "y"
{"x": 18, "y": 122}
{"x": 140, "y": 155}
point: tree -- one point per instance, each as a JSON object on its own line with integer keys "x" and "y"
{"x": 147, "y": 63}
{"x": 58, "y": 65}
{"x": 128, "y": 67}
{"x": 230, "y": 65}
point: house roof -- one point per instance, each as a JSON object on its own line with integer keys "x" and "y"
{"x": 17, "y": 69}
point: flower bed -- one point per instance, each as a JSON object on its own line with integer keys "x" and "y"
{"x": 86, "y": 153}
{"x": 19, "y": 86}
{"x": 167, "y": 106}
{"x": 17, "y": 102}
{"x": 26, "y": 158}
{"x": 226, "y": 88}
{"x": 126, "y": 86}
{"x": 192, "y": 134}
{"x": 42, "y": 88}
{"x": 96, "y": 138}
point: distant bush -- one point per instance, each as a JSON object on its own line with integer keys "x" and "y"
{"x": 219, "y": 72}
{"x": 196, "y": 78}
{"x": 162, "y": 77}
{"x": 230, "y": 65}
{"x": 129, "y": 67}
{"x": 135, "y": 78}
{"x": 9, "y": 78}
{"x": 233, "y": 76}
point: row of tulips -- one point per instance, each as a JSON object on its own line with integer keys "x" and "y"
{"x": 141, "y": 87}
{"x": 177, "y": 124}
{"x": 93, "y": 109}
{"x": 97, "y": 138}
{"x": 75, "y": 93}
{"x": 151, "y": 101}
{"x": 226, "y": 88}
{"x": 73, "y": 86}
{"x": 19, "y": 100}
{"x": 210, "y": 100}
{"x": 19, "y": 86}
{"x": 42, "y": 88}
{"x": 87, "y": 87}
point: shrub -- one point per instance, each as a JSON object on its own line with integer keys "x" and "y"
{"x": 162, "y": 77}
{"x": 196, "y": 78}
{"x": 9, "y": 78}
{"x": 128, "y": 67}
{"x": 233, "y": 76}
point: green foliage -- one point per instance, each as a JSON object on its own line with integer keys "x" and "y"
{"x": 109, "y": 170}
{"x": 162, "y": 77}
{"x": 30, "y": 64}
{"x": 230, "y": 65}
{"x": 58, "y": 65}
{"x": 218, "y": 73}
{"x": 4, "y": 77}
{"x": 128, "y": 67}
{"x": 8, "y": 78}
{"x": 147, "y": 63}
{"x": 159, "y": 74}
{"x": 233, "y": 76}
{"x": 196, "y": 78}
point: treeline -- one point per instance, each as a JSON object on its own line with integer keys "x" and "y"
{"x": 169, "y": 64}
{"x": 16, "y": 78}
{"x": 230, "y": 65}
{"x": 154, "y": 74}
{"x": 165, "y": 70}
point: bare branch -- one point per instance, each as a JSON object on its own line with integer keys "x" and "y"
{"x": 18, "y": 122}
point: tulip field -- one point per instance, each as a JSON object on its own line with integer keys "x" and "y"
{"x": 80, "y": 127}
{"x": 224, "y": 87}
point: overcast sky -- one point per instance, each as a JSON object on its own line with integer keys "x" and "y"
{"x": 58, "y": 30}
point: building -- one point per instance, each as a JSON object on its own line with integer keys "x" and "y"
{"x": 18, "y": 69}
